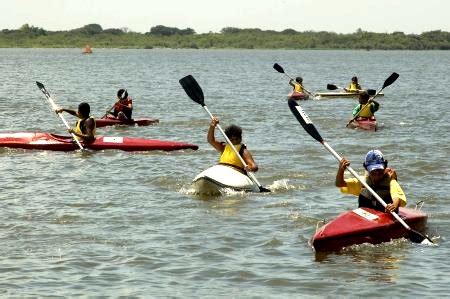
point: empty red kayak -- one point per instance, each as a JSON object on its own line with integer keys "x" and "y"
{"x": 52, "y": 142}
{"x": 365, "y": 225}
{"x": 298, "y": 96}
{"x": 111, "y": 121}
{"x": 369, "y": 124}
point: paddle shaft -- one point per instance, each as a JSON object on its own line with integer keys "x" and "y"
{"x": 109, "y": 110}
{"x": 233, "y": 148}
{"x": 362, "y": 181}
{"x": 54, "y": 107}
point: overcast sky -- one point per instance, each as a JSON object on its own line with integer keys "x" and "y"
{"x": 340, "y": 16}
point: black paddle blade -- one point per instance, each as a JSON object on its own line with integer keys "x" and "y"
{"x": 417, "y": 237}
{"x": 304, "y": 120}
{"x": 40, "y": 85}
{"x": 262, "y": 189}
{"x": 278, "y": 68}
{"x": 42, "y": 88}
{"x": 371, "y": 92}
{"x": 331, "y": 87}
{"x": 391, "y": 79}
{"x": 192, "y": 89}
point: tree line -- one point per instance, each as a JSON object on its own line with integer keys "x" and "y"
{"x": 28, "y": 36}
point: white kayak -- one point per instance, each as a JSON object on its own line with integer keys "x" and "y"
{"x": 219, "y": 177}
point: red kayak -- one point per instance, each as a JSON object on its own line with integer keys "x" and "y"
{"x": 111, "y": 121}
{"x": 369, "y": 124}
{"x": 52, "y": 142}
{"x": 365, "y": 225}
{"x": 298, "y": 96}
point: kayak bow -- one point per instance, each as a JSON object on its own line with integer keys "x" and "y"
{"x": 218, "y": 177}
{"x": 365, "y": 225}
{"x": 369, "y": 124}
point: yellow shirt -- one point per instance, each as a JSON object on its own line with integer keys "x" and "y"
{"x": 354, "y": 187}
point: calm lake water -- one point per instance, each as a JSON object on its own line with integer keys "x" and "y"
{"x": 127, "y": 224}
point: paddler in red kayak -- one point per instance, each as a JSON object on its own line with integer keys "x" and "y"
{"x": 381, "y": 179}
{"x": 123, "y": 108}
{"x": 368, "y": 110}
{"x": 297, "y": 85}
{"x": 228, "y": 157}
{"x": 353, "y": 86}
{"x": 85, "y": 126}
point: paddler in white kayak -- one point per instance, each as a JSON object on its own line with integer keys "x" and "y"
{"x": 353, "y": 86}
{"x": 381, "y": 179}
{"x": 363, "y": 110}
{"x": 85, "y": 126}
{"x": 228, "y": 157}
{"x": 123, "y": 108}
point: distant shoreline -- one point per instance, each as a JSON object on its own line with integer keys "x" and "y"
{"x": 256, "y": 49}
{"x": 229, "y": 38}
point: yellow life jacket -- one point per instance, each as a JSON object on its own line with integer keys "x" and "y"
{"x": 80, "y": 128}
{"x": 298, "y": 87}
{"x": 366, "y": 111}
{"x": 354, "y": 86}
{"x": 228, "y": 156}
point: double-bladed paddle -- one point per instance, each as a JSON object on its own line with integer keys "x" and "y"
{"x": 309, "y": 127}
{"x": 371, "y": 92}
{"x": 391, "y": 79}
{"x": 54, "y": 107}
{"x": 108, "y": 111}
{"x": 280, "y": 69}
{"x": 194, "y": 91}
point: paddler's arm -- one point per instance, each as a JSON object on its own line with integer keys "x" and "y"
{"x": 130, "y": 104}
{"x": 340, "y": 181}
{"x": 90, "y": 127}
{"x": 348, "y": 88}
{"x": 212, "y": 139}
{"x": 398, "y": 196}
{"x": 291, "y": 83}
{"x": 251, "y": 165}
{"x": 374, "y": 106}
{"x": 70, "y": 111}
{"x": 356, "y": 110}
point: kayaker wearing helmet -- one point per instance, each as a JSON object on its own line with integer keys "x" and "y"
{"x": 228, "y": 157}
{"x": 364, "y": 110}
{"x": 297, "y": 84}
{"x": 85, "y": 126}
{"x": 354, "y": 85}
{"x": 381, "y": 179}
{"x": 123, "y": 108}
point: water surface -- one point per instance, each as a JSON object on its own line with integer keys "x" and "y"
{"x": 126, "y": 224}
